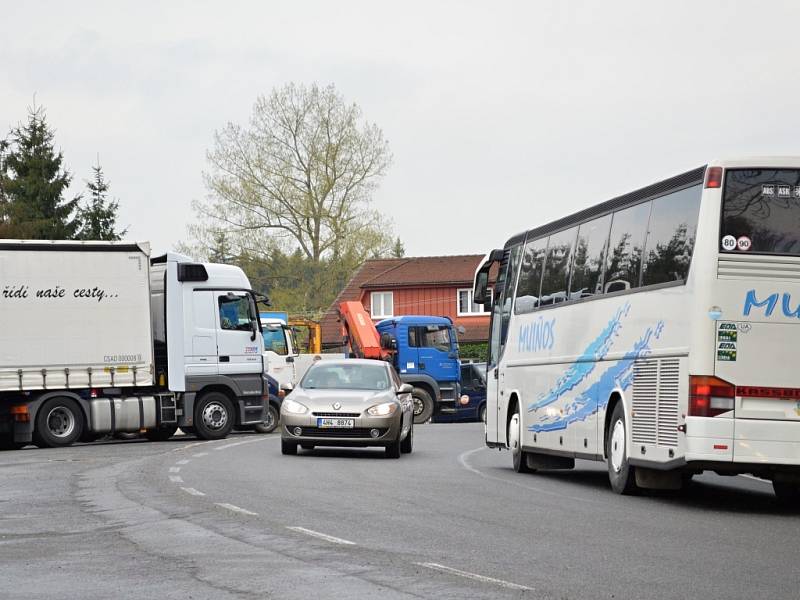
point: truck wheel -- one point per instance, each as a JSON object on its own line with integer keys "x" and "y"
{"x": 621, "y": 474}
{"x": 407, "y": 445}
{"x": 423, "y": 405}
{"x": 160, "y": 435}
{"x": 270, "y": 420}
{"x": 213, "y": 416}
{"x": 59, "y": 422}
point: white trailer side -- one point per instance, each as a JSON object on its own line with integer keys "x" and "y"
{"x": 74, "y": 315}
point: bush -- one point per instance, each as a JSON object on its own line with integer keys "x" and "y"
{"x": 473, "y": 350}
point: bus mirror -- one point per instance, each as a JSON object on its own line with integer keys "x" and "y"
{"x": 480, "y": 294}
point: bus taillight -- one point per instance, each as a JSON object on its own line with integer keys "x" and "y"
{"x": 714, "y": 177}
{"x": 710, "y": 396}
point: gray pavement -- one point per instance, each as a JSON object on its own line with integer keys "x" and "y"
{"x": 236, "y": 519}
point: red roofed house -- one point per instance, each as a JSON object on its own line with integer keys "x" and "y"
{"x": 428, "y": 285}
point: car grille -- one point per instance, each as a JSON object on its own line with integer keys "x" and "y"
{"x": 335, "y": 414}
{"x": 356, "y": 432}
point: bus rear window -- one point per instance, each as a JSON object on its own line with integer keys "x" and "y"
{"x": 761, "y": 211}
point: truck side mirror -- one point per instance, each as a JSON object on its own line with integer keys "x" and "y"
{"x": 388, "y": 341}
{"x": 253, "y": 331}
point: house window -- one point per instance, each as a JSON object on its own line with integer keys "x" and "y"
{"x": 381, "y": 305}
{"x": 467, "y": 307}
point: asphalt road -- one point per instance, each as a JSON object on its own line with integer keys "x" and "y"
{"x": 236, "y": 519}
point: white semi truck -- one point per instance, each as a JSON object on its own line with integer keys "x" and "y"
{"x": 98, "y": 338}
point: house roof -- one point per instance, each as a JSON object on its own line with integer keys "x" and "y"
{"x": 426, "y": 271}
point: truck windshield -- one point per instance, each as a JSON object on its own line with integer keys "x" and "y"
{"x": 275, "y": 340}
{"x": 761, "y": 211}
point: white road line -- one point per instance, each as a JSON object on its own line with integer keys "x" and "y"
{"x": 474, "y": 576}
{"x": 322, "y": 536}
{"x": 192, "y": 491}
{"x": 237, "y": 509}
{"x": 226, "y": 446}
{"x": 462, "y": 458}
{"x": 176, "y": 479}
{"x": 182, "y": 462}
{"x": 174, "y": 469}
{"x": 199, "y": 454}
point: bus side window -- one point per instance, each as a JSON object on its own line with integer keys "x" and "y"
{"x": 590, "y": 252}
{"x": 530, "y": 277}
{"x": 624, "y": 262}
{"x": 556, "y": 268}
{"x": 670, "y": 239}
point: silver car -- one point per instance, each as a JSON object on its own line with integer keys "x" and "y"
{"x": 350, "y": 402}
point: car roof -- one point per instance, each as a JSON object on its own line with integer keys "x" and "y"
{"x": 350, "y": 361}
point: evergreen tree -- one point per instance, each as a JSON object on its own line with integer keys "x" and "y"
{"x": 32, "y": 184}
{"x": 99, "y": 217}
{"x": 398, "y": 250}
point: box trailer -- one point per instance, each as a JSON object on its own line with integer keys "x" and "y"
{"x": 98, "y": 338}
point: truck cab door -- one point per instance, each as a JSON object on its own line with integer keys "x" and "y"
{"x": 201, "y": 342}
{"x": 408, "y": 351}
{"x": 436, "y": 352}
{"x": 238, "y": 353}
{"x": 278, "y": 353}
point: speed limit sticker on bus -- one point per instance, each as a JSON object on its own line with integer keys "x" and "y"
{"x": 743, "y": 243}
{"x": 729, "y": 243}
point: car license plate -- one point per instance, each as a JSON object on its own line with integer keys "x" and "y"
{"x": 342, "y": 423}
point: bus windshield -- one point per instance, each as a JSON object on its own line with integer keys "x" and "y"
{"x": 761, "y": 211}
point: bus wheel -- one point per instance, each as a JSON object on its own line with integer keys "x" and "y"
{"x": 620, "y": 472}
{"x": 59, "y": 422}
{"x": 515, "y": 445}
{"x": 423, "y": 405}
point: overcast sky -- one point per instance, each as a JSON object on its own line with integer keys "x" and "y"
{"x": 500, "y": 115}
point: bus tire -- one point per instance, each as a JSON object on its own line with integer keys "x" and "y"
{"x": 213, "y": 416}
{"x": 518, "y": 455}
{"x": 59, "y": 422}
{"x": 621, "y": 474}
{"x": 423, "y": 405}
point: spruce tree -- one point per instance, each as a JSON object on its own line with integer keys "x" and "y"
{"x": 33, "y": 182}
{"x": 99, "y": 216}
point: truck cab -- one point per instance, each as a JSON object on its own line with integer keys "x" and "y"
{"x": 280, "y": 347}
{"x": 426, "y": 356}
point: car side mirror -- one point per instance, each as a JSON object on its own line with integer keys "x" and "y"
{"x": 405, "y": 388}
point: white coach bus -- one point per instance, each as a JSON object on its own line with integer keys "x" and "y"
{"x": 656, "y": 331}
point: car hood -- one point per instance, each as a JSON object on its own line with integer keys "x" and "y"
{"x": 355, "y": 400}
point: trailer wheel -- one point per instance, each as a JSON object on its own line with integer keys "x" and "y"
{"x": 59, "y": 422}
{"x": 423, "y": 405}
{"x": 270, "y": 420}
{"x": 160, "y": 435}
{"x": 213, "y": 416}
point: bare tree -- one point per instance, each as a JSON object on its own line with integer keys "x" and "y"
{"x": 303, "y": 171}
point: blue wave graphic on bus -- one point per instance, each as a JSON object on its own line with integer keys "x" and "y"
{"x": 596, "y": 395}
{"x": 585, "y": 363}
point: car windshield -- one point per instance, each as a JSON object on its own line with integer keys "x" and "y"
{"x": 357, "y": 376}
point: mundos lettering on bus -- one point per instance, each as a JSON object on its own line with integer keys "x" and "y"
{"x": 769, "y": 304}
{"x": 539, "y": 335}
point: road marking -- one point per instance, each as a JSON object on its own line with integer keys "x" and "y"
{"x": 182, "y": 462}
{"x": 226, "y": 446}
{"x": 475, "y": 576}
{"x": 237, "y": 509}
{"x": 192, "y": 491}
{"x": 199, "y": 454}
{"x": 462, "y": 458}
{"x": 174, "y": 469}
{"x": 176, "y": 479}
{"x": 322, "y": 536}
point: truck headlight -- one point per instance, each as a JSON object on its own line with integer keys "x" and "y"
{"x": 293, "y": 407}
{"x": 382, "y": 410}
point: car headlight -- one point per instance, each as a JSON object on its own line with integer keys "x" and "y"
{"x": 293, "y": 407}
{"x": 382, "y": 410}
